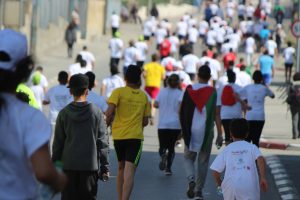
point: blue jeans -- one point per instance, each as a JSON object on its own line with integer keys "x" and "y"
{"x": 267, "y": 79}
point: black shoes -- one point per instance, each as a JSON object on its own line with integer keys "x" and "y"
{"x": 190, "y": 191}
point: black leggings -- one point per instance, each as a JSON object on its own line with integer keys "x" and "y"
{"x": 255, "y": 130}
{"x": 226, "y": 125}
{"x": 167, "y": 139}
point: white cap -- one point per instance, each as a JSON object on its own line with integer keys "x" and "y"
{"x": 14, "y": 44}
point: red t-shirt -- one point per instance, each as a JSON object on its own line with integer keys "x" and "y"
{"x": 165, "y": 48}
{"x": 210, "y": 53}
{"x": 227, "y": 58}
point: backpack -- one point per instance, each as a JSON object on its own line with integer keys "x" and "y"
{"x": 228, "y": 98}
{"x": 293, "y": 97}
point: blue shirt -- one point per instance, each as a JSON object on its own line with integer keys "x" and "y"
{"x": 264, "y": 33}
{"x": 266, "y": 64}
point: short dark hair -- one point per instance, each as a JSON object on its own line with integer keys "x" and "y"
{"x": 231, "y": 76}
{"x": 174, "y": 81}
{"x": 204, "y": 72}
{"x": 92, "y": 78}
{"x": 77, "y": 92}
{"x": 63, "y": 77}
{"x": 239, "y": 128}
{"x": 243, "y": 67}
{"x": 215, "y": 55}
{"x": 257, "y": 77}
{"x": 204, "y": 53}
{"x": 39, "y": 68}
{"x": 84, "y": 47}
{"x": 289, "y": 43}
{"x": 133, "y": 74}
{"x": 154, "y": 57}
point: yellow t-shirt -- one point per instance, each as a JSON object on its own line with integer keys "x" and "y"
{"x": 132, "y": 106}
{"x": 154, "y": 73}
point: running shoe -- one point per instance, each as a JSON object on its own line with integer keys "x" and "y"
{"x": 199, "y": 196}
{"x": 168, "y": 172}
{"x": 163, "y": 162}
{"x": 190, "y": 191}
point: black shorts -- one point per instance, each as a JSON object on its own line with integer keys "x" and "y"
{"x": 129, "y": 150}
{"x": 288, "y": 65}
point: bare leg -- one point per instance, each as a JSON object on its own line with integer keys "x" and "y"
{"x": 120, "y": 179}
{"x": 289, "y": 74}
{"x": 286, "y": 78}
{"x": 128, "y": 180}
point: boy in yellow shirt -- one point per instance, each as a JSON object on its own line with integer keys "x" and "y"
{"x": 130, "y": 107}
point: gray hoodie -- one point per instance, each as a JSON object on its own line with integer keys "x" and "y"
{"x": 80, "y": 130}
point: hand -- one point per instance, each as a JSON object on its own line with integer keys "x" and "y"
{"x": 104, "y": 176}
{"x": 219, "y": 141}
{"x": 263, "y": 184}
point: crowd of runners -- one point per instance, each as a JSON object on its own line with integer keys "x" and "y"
{"x": 225, "y": 87}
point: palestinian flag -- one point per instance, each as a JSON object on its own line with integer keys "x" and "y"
{"x": 198, "y": 99}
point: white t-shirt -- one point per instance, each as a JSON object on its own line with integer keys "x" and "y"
{"x": 182, "y": 28}
{"x": 98, "y": 100}
{"x": 221, "y": 34}
{"x": 23, "y": 131}
{"x": 193, "y": 35}
{"x": 250, "y": 27}
{"x": 203, "y": 60}
{"x": 288, "y": 55}
{"x": 88, "y": 57}
{"x": 250, "y": 11}
{"x": 243, "y": 79}
{"x": 174, "y": 43}
{"x": 142, "y": 49}
{"x": 250, "y": 42}
{"x": 214, "y": 8}
{"x": 166, "y": 61}
{"x": 243, "y": 27}
{"x": 43, "y": 82}
{"x": 226, "y": 47}
{"x": 241, "y": 9}
{"x": 234, "y": 111}
{"x": 59, "y": 96}
{"x": 38, "y": 92}
{"x": 271, "y": 46}
{"x": 130, "y": 56}
{"x": 190, "y": 63}
{"x": 211, "y": 37}
{"x": 169, "y": 102}
{"x": 203, "y": 27}
{"x": 111, "y": 83}
{"x": 192, "y": 22}
{"x": 215, "y": 68}
{"x": 230, "y": 8}
{"x": 116, "y": 45}
{"x": 186, "y": 18}
{"x": 255, "y": 95}
{"x": 77, "y": 69}
{"x": 115, "y": 21}
{"x": 148, "y": 28}
{"x": 160, "y": 35}
{"x": 241, "y": 176}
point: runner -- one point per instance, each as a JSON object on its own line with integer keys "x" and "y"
{"x": 255, "y": 95}
{"x": 79, "y": 67}
{"x": 127, "y": 128}
{"x": 242, "y": 163}
{"x": 88, "y": 57}
{"x": 168, "y": 102}
{"x": 153, "y": 74}
{"x": 115, "y": 23}
{"x": 266, "y": 66}
{"x": 25, "y": 131}
{"x": 190, "y": 64}
{"x": 229, "y": 107}
{"x": 79, "y": 152}
{"x": 115, "y": 45}
{"x": 197, "y": 121}
{"x": 94, "y": 98}
{"x": 111, "y": 82}
{"x": 142, "y": 50}
{"x": 57, "y": 98}
{"x": 288, "y": 54}
{"x": 37, "y": 90}
{"x": 130, "y": 56}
